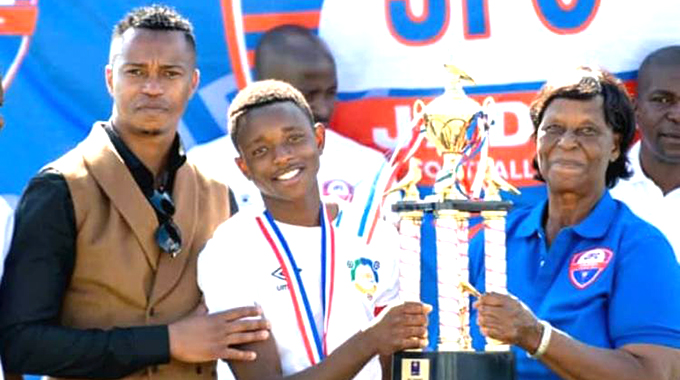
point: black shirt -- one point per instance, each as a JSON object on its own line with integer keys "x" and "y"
{"x": 38, "y": 270}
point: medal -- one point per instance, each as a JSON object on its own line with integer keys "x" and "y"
{"x": 315, "y": 342}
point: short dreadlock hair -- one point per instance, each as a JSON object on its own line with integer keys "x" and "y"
{"x": 263, "y": 93}
{"x": 586, "y": 83}
{"x": 156, "y": 17}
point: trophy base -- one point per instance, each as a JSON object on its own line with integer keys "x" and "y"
{"x": 460, "y": 365}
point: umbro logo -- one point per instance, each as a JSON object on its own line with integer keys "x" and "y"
{"x": 278, "y": 273}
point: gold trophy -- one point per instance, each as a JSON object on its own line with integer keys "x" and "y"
{"x": 458, "y": 126}
{"x": 447, "y": 119}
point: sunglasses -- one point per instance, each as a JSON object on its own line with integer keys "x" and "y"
{"x": 168, "y": 235}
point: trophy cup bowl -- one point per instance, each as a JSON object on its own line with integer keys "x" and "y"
{"x": 458, "y": 127}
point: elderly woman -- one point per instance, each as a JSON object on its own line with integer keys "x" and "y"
{"x": 594, "y": 289}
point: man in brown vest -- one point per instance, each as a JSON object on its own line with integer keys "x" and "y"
{"x": 100, "y": 280}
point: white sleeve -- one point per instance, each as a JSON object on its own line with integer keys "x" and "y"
{"x": 219, "y": 272}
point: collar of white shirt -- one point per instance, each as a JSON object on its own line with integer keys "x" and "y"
{"x": 634, "y": 158}
{"x": 639, "y": 177}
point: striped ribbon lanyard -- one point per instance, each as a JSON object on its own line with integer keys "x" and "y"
{"x": 303, "y": 312}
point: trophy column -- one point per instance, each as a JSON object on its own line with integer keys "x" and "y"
{"x": 462, "y": 230}
{"x": 452, "y": 271}
{"x": 409, "y": 255}
{"x": 495, "y": 266}
{"x": 449, "y": 295}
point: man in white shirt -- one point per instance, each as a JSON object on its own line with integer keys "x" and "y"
{"x": 348, "y": 169}
{"x": 653, "y": 192}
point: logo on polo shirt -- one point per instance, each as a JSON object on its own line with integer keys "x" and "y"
{"x": 364, "y": 275}
{"x": 338, "y": 188}
{"x": 585, "y": 267}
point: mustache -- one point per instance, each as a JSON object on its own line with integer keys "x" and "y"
{"x": 152, "y": 105}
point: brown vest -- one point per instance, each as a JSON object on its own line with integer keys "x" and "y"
{"x": 121, "y": 277}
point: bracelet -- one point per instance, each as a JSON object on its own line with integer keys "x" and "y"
{"x": 545, "y": 340}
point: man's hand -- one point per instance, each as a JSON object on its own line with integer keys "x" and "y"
{"x": 505, "y": 318}
{"x": 200, "y": 337}
{"x": 400, "y": 328}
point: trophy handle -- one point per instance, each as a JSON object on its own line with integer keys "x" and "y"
{"x": 488, "y": 102}
{"x": 418, "y": 109}
{"x": 489, "y": 109}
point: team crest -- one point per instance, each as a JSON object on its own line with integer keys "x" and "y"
{"x": 339, "y": 189}
{"x": 585, "y": 267}
{"x": 364, "y": 275}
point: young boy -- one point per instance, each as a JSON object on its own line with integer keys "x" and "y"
{"x": 319, "y": 287}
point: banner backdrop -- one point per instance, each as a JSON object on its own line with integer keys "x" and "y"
{"x": 389, "y": 53}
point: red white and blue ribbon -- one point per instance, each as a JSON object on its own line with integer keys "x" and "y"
{"x": 314, "y": 341}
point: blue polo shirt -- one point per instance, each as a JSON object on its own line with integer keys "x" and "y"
{"x": 609, "y": 281}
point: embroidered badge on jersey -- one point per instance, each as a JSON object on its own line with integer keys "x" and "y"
{"x": 585, "y": 267}
{"x": 338, "y": 188}
{"x": 364, "y": 275}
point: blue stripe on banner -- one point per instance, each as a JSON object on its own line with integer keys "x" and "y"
{"x": 627, "y": 75}
{"x": 278, "y": 6}
{"x": 348, "y": 96}
{"x": 470, "y": 90}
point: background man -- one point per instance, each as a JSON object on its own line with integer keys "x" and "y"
{"x": 295, "y": 55}
{"x": 100, "y": 280}
{"x": 653, "y": 192}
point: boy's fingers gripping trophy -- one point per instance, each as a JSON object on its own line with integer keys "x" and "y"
{"x": 401, "y": 327}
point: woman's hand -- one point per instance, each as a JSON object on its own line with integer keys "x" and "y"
{"x": 507, "y": 319}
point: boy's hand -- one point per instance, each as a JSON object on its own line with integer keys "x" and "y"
{"x": 400, "y": 328}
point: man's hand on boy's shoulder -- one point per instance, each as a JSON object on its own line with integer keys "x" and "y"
{"x": 201, "y": 337}
{"x": 400, "y": 327}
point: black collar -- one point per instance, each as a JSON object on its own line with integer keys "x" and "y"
{"x": 141, "y": 173}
